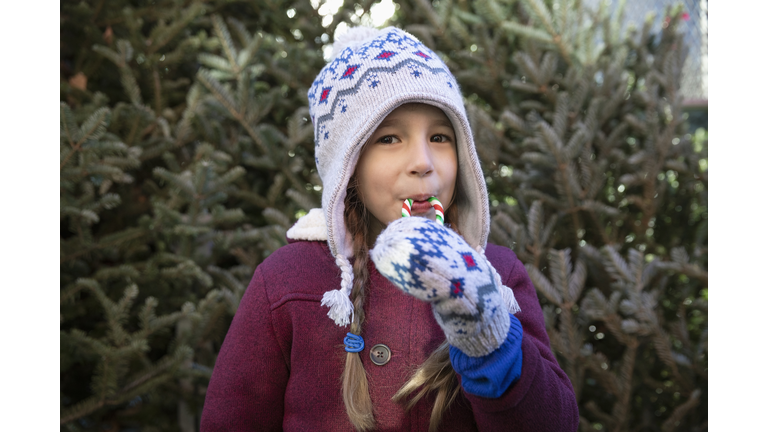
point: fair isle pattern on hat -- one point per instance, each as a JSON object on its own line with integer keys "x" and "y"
{"x": 374, "y": 72}
{"x": 338, "y": 91}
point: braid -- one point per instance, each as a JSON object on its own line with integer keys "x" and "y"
{"x": 354, "y": 383}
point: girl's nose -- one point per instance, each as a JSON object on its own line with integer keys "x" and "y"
{"x": 420, "y": 161}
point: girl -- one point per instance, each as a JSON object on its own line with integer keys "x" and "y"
{"x": 438, "y": 330}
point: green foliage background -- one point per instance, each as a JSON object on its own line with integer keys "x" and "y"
{"x": 186, "y": 154}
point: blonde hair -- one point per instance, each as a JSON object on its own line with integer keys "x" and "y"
{"x": 435, "y": 375}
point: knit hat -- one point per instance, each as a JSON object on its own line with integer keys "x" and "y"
{"x": 372, "y": 73}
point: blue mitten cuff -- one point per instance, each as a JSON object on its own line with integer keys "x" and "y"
{"x": 491, "y": 375}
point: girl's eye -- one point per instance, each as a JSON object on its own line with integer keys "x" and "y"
{"x": 387, "y": 139}
{"x": 440, "y": 138}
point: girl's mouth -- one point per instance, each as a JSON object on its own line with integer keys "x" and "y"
{"x": 421, "y": 207}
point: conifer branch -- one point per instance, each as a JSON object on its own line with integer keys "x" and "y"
{"x": 301, "y": 199}
{"x": 601, "y": 228}
{"x": 227, "y": 45}
{"x": 680, "y": 411}
{"x": 616, "y": 265}
{"x": 543, "y": 285}
{"x": 624, "y": 378}
{"x": 440, "y": 24}
{"x": 96, "y": 402}
{"x": 527, "y": 31}
{"x": 541, "y": 11}
{"x": 98, "y": 121}
{"x": 68, "y": 124}
{"x": 229, "y": 104}
{"x": 107, "y": 242}
{"x": 158, "y": 91}
{"x": 565, "y": 175}
{"x": 242, "y": 32}
{"x": 167, "y": 34}
{"x": 82, "y": 409}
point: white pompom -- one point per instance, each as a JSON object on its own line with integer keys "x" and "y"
{"x": 353, "y": 38}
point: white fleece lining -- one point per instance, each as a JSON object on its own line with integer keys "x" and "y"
{"x": 309, "y": 227}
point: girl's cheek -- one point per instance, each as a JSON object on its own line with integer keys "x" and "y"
{"x": 449, "y": 162}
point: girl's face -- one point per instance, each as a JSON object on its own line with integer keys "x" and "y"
{"x": 412, "y": 154}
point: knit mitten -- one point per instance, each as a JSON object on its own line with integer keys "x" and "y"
{"x": 434, "y": 264}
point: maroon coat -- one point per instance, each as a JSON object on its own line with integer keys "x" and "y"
{"x": 280, "y": 364}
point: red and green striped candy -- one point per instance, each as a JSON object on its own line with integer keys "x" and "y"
{"x": 436, "y": 204}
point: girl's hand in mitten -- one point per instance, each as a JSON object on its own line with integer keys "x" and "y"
{"x": 434, "y": 264}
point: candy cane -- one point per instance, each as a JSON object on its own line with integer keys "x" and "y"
{"x": 436, "y": 204}
{"x": 406, "y": 212}
{"x": 438, "y": 209}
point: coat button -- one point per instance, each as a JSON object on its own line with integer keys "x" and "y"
{"x": 380, "y": 354}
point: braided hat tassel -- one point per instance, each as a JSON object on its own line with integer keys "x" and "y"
{"x": 342, "y": 311}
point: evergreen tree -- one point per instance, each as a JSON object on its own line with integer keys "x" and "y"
{"x": 186, "y": 154}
